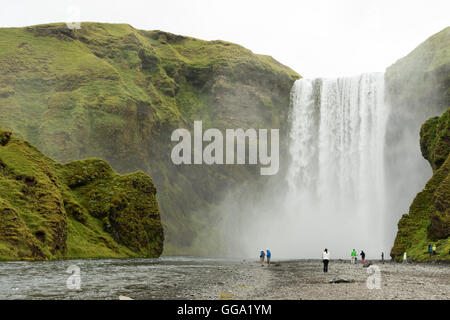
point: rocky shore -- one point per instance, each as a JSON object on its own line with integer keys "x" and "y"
{"x": 304, "y": 279}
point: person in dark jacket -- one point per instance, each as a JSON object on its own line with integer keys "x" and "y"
{"x": 363, "y": 256}
{"x": 325, "y": 259}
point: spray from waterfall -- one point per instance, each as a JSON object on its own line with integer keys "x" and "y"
{"x": 344, "y": 186}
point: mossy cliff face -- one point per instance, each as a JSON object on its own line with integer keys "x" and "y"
{"x": 420, "y": 82}
{"x": 81, "y": 209}
{"x": 428, "y": 221}
{"x": 418, "y": 86}
{"x": 117, "y": 93}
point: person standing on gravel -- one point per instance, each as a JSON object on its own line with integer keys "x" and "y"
{"x": 268, "y": 255}
{"x": 434, "y": 249}
{"x": 363, "y": 256}
{"x": 325, "y": 259}
{"x": 353, "y": 256}
{"x": 262, "y": 255}
{"x": 404, "y": 258}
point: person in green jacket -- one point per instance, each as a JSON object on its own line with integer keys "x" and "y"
{"x": 354, "y": 254}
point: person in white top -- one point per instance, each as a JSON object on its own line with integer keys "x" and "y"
{"x": 325, "y": 259}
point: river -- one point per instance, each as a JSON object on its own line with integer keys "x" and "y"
{"x": 201, "y": 278}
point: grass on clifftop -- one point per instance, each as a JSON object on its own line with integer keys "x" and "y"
{"x": 420, "y": 82}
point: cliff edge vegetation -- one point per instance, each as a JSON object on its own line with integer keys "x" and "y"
{"x": 80, "y": 209}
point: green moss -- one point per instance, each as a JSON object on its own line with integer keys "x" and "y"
{"x": 428, "y": 221}
{"x": 434, "y": 141}
{"x": 46, "y": 212}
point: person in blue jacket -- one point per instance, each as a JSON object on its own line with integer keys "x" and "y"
{"x": 262, "y": 255}
{"x": 268, "y": 255}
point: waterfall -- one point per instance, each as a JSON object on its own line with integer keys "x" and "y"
{"x": 336, "y": 193}
{"x": 336, "y": 174}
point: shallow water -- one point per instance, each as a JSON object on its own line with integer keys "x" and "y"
{"x": 162, "y": 278}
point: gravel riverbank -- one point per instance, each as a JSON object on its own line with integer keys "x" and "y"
{"x": 304, "y": 279}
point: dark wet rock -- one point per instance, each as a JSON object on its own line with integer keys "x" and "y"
{"x": 342, "y": 281}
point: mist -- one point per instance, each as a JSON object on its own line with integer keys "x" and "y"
{"x": 353, "y": 167}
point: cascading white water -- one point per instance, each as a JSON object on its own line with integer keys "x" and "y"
{"x": 336, "y": 175}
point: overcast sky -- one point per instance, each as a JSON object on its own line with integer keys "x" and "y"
{"x": 325, "y": 38}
